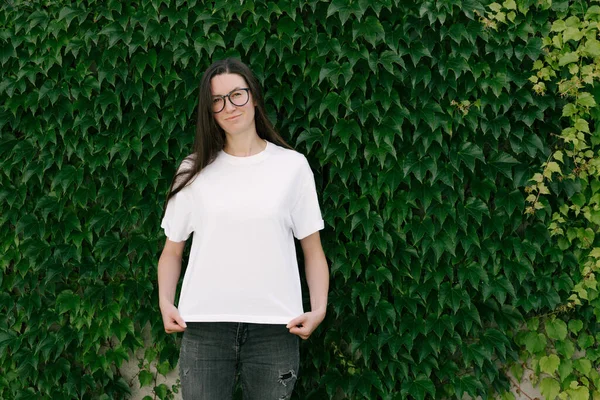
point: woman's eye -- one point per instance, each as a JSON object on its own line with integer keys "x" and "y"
{"x": 235, "y": 94}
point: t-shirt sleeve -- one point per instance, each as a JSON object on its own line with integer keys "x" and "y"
{"x": 306, "y": 214}
{"x": 177, "y": 222}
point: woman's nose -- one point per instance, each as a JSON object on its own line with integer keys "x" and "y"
{"x": 229, "y": 105}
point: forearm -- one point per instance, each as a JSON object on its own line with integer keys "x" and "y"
{"x": 317, "y": 278}
{"x": 169, "y": 269}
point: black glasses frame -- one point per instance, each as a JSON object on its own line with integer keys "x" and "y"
{"x": 231, "y": 101}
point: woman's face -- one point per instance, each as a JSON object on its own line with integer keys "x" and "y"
{"x": 233, "y": 119}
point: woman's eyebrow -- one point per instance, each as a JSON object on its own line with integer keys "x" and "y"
{"x": 232, "y": 90}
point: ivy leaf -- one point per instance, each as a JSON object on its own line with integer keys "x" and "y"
{"x": 418, "y": 387}
{"x": 592, "y": 48}
{"x": 556, "y": 329}
{"x": 575, "y": 325}
{"x": 568, "y": 58}
{"x": 503, "y": 162}
{"x": 388, "y": 58}
{"x": 109, "y": 244}
{"x": 312, "y": 136}
{"x": 592, "y": 13}
{"x": 534, "y": 48}
{"x": 549, "y": 364}
{"x": 549, "y": 388}
{"x": 145, "y": 378}
{"x": 572, "y": 33}
{"x": 476, "y": 208}
{"x": 583, "y": 365}
{"x": 68, "y": 301}
{"x": 586, "y": 99}
{"x": 468, "y": 153}
{"x": 535, "y": 342}
{"x": 214, "y": 40}
{"x": 578, "y": 392}
{"x": 510, "y": 201}
{"x": 333, "y": 70}
{"x": 366, "y": 108}
{"x": 345, "y": 129}
{"x": 474, "y": 273}
{"x": 345, "y": 8}
{"x": 370, "y": 29}
{"x": 569, "y": 110}
{"x": 68, "y": 176}
{"x": 247, "y": 38}
{"x": 467, "y": 384}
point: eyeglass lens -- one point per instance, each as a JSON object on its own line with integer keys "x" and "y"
{"x": 237, "y": 98}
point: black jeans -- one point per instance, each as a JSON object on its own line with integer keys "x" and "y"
{"x": 212, "y": 354}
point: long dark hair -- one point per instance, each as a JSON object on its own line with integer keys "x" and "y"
{"x": 210, "y": 137}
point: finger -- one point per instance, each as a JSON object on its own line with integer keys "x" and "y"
{"x": 296, "y": 321}
{"x": 180, "y": 321}
{"x": 303, "y": 332}
{"x": 174, "y": 328}
{"x": 303, "y": 335}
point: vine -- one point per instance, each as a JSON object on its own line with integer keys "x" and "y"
{"x": 563, "y": 348}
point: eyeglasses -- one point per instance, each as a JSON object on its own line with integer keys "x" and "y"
{"x": 237, "y": 97}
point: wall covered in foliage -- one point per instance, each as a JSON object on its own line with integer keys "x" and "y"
{"x": 418, "y": 120}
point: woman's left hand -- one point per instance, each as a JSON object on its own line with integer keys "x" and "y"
{"x": 305, "y": 324}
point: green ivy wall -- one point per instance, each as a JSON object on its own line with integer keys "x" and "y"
{"x": 420, "y": 125}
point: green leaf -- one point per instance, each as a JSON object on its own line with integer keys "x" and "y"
{"x": 476, "y": 208}
{"x": 592, "y": 48}
{"x": 370, "y": 29}
{"x": 388, "y": 58}
{"x": 418, "y": 387}
{"x": 575, "y": 325}
{"x": 583, "y": 365}
{"x": 565, "y": 348}
{"x": 344, "y": 8}
{"x": 510, "y": 201}
{"x": 535, "y": 342}
{"x": 534, "y": 48}
{"x": 503, "y": 162}
{"x": 582, "y": 125}
{"x": 247, "y": 38}
{"x": 311, "y": 137}
{"x": 549, "y": 364}
{"x": 333, "y": 70}
{"x": 161, "y": 391}
{"x": 469, "y": 385}
{"x": 558, "y": 26}
{"x": 556, "y": 329}
{"x": 568, "y": 58}
{"x": 146, "y": 378}
{"x": 572, "y": 33}
{"x": 214, "y": 40}
{"x": 163, "y": 368}
{"x": 470, "y": 152}
{"x": 569, "y": 110}
{"x": 345, "y": 129}
{"x": 586, "y": 99}
{"x": 578, "y": 392}
{"x": 593, "y": 14}
{"x": 549, "y": 387}
{"x": 68, "y": 301}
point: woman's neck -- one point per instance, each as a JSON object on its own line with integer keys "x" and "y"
{"x": 244, "y": 146}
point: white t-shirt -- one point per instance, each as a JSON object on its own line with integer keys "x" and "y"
{"x": 245, "y": 213}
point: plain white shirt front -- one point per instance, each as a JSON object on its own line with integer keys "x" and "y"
{"x": 244, "y": 213}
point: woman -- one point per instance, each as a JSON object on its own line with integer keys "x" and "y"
{"x": 245, "y": 194}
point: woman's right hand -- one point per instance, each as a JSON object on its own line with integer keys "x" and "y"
{"x": 171, "y": 319}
